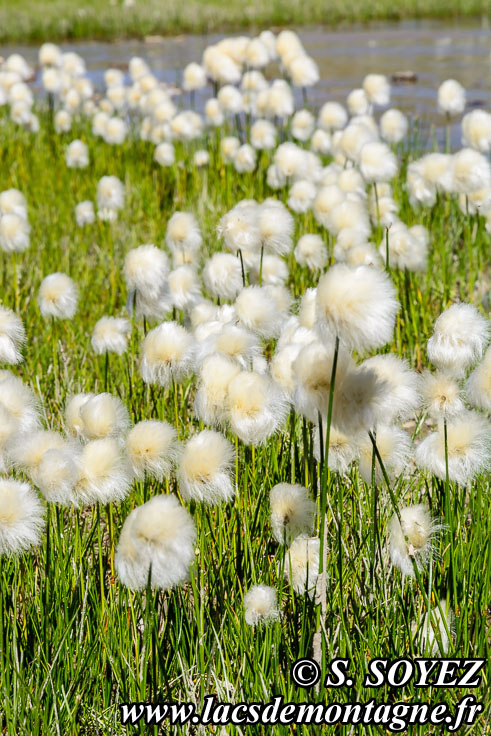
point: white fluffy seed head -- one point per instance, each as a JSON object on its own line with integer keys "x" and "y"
{"x": 204, "y": 469}
{"x": 357, "y": 304}
{"x": 476, "y": 130}
{"x": 21, "y": 517}
{"x": 160, "y": 535}
{"x": 110, "y": 335}
{"x": 377, "y": 89}
{"x": 459, "y": 339}
{"x": 292, "y": 512}
{"x": 256, "y": 407}
{"x": 433, "y": 636}
{"x": 311, "y": 251}
{"x": 471, "y": 171}
{"x": 183, "y": 232}
{"x": 394, "y": 446}
{"x": 103, "y": 415}
{"x": 393, "y": 126}
{"x": 168, "y": 353}
{"x": 28, "y": 449}
{"x": 19, "y": 402}
{"x": 211, "y": 397}
{"x": 184, "y": 287}
{"x": 77, "y": 155}
{"x": 377, "y": 162}
{"x": 468, "y": 448}
{"x": 57, "y": 474}
{"x": 222, "y": 275}
{"x": 478, "y": 385}
{"x": 12, "y": 201}
{"x": 411, "y": 539}
{"x": 146, "y": 269}
{"x": 58, "y": 296}
{"x": 343, "y": 448}
{"x": 301, "y": 565}
{"x": 12, "y": 336}
{"x": 441, "y": 395}
{"x": 151, "y": 449}
{"x": 257, "y": 311}
{"x": 110, "y": 193}
{"x": 260, "y": 605}
{"x": 84, "y": 213}
{"x": 312, "y": 372}
{"x": 104, "y": 474}
{"x": 451, "y": 97}
{"x": 14, "y": 233}
{"x": 402, "y": 386}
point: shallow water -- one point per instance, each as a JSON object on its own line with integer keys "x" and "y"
{"x": 432, "y": 50}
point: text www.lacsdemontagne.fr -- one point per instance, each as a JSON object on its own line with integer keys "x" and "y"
{"x": 396, "y": 717}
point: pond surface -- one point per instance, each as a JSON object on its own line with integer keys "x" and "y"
{"x": 432, "y": 50}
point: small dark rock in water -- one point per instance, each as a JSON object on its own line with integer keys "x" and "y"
{"x": 406, "y": 77}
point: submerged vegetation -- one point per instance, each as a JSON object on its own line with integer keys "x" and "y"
{"x": 30, "y": 20}
{"x": 244, "y": 389}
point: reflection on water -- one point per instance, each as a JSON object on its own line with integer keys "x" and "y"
{"x": 432, "y": 50}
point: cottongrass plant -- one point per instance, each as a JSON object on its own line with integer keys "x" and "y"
{"x": 300, "y": 377}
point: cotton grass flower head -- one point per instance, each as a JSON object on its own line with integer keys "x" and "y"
{"x": 406, "y": 249}
{"x": 183, "y": 232}
{"x": 110, "y": 335}
{"x": 21, "y": 517}
{"x": 27, "y": 450}
{"x": 204, "y": 469}
{"x": 216, "y": 373}
{"x": 394, "y": 446}
{"x": 58, "y": 296}
{"x": 434, "y": 636}
{"x": 77, "y": 155}
{"x": 311, "y": 251}
{"x": 441, "y": 395}
{"x": 343, "y": 448}
{"x": 158, "y": 537}
{"x": 357, "y": 304}
{"x": 57, "y": 474}
{"x": 471, "y": 171}
{"x": 292, "y": 512}
{"x": 164, "y": 154}
{"x": 151, "y": 449}
{"x": 245, "y": 159}
{"x": 110, "y": 193}
{"x": 115, "y": 131}
{"x": 14, "y": 233}
{"x": 104, "y": 474}
{"x": 402, "y": 386}
{"x": 12, "y": 201}
{"x": 377, "y": 162}
{"x": 468, "y": 448}
{"x": 460, "y": 336}
{"x": 412, "y": 540}
{"x": 12, "y": 336}
{"x": 476, "y": 130}
{"x": 393, "y": 126}
{"x": 103, "y": 415}
{"x": 332, "y": 116}
{"x": 168, "y": 354}
{"x": 256, "y": 310}
{"x": 377, "y": 89}
{"x": 73, "y": 419}
{"x": 312, "y": 372}
{"x": 478, "y": 385}
{"x": 263, "y": 135}
{"x": 302, "y": 195}
{"x": 146, "y": 270}
{"x": 222, "y": 275}
{"x": 184, "y": 287}
{"x": 275, "y": 226}
{"x": 194, "y": 77}
{"x": 256, "y": 407}
{"x": 19, "y": 402}
{"x": 260, "y": 605}
{"x": 301, "y": 565}
{"x": 451, "y": 97}
{"x": 84, "y": 213}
